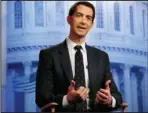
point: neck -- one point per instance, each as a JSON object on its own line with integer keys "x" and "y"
{"x": 77, "y": 39}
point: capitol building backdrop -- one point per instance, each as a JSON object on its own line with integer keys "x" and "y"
{"x": 120, "y": 29}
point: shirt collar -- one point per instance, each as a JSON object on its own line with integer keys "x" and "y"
{"x": 72, "y": 44}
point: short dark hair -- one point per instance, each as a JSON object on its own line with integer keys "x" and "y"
{"x": 74, "y": 6}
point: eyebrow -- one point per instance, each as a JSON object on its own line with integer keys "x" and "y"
{"x": 83, "y": 14}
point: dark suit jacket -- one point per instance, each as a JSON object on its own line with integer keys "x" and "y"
{"x": 54, "y": 75}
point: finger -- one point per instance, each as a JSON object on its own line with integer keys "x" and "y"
{"x": 100, "y": 99}
{"x": 72, "y": 85}
{"x": 97, "y": 100}
{"x": 85, "y": 97}
{"x": 102, "y": 95}
{"x": 87, "y": 94}
{"x": 107, "y": 84}
{"x": 84, "y": 94}
{"x": 80, "y": 90}
{"x": 104, "y": 91}
{"x": 107, "y": 99}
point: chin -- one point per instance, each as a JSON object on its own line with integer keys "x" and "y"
{"x": 81, "y": 34}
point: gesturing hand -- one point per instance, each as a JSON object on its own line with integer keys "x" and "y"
{"x": 103, "y": 95}
{"x": 82, "y": 93}
{"x": 76, "y": 95}
{"x": 72, "y": 94}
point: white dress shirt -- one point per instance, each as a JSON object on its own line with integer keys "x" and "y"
{"x": 72, "y": 51}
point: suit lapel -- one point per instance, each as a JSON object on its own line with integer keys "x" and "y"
{"x": 66, "y": 65}
{"x": 65, "y": 61}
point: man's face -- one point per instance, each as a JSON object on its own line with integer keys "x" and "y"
{"x": 81, "y": 21}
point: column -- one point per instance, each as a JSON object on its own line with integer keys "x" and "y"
{"x": 145, "y": 89}
{"x": 3, "y": 99}
{"x": 116, "y": 78}
{"x": 29, "y": 105}
{"x": 10, "y": 97}
{"x": 27, "y": 97}
{"x": 27, "y": 69}
{"x": 3, "y": 46}
{"x": 134, "y": 92}
{"x": 3, "y": 55}
{"x": 127, "y": 86}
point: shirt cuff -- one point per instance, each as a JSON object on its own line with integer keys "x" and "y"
{"x": 113, "y": 102}
{"x": 65, "y": 102}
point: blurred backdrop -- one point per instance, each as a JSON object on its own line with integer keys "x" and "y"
{"x": 120, "y": 29}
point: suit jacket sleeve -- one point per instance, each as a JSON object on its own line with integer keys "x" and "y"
{"x": 108, "y": 76}
{"x": 45, "y": 81}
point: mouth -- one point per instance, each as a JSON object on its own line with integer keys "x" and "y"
{"x": 82, "y": 28}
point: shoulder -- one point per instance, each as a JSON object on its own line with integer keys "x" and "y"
{"x": 52, "y": 48}
{"x": 49, "y": 51}
{"x": 97, "y": 51}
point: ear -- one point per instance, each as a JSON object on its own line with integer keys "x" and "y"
{"x": 69, "y": 19}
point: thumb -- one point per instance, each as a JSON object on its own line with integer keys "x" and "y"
{"x": 72, "y": 85}
{"x": 107, "y": 84}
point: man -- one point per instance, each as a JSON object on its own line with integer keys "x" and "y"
{"x": 73, "y": 74}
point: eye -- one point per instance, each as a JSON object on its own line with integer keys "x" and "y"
{"x": 78, "y": 15}
{"x": 89, "y": 18}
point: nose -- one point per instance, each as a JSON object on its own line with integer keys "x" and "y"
{"x": 83, "y": 20}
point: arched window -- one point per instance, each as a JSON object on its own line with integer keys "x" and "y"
{"x": 39, "y": 14}
{"x": 99, "y": 14}
{"x": 60, "y": 13}
{"x": 18, "y": 14}
{"x": 131, "y": 19}
{"x": 116, "y": 17}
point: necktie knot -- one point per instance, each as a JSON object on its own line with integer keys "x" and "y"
{"x": 78, "y": 47}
